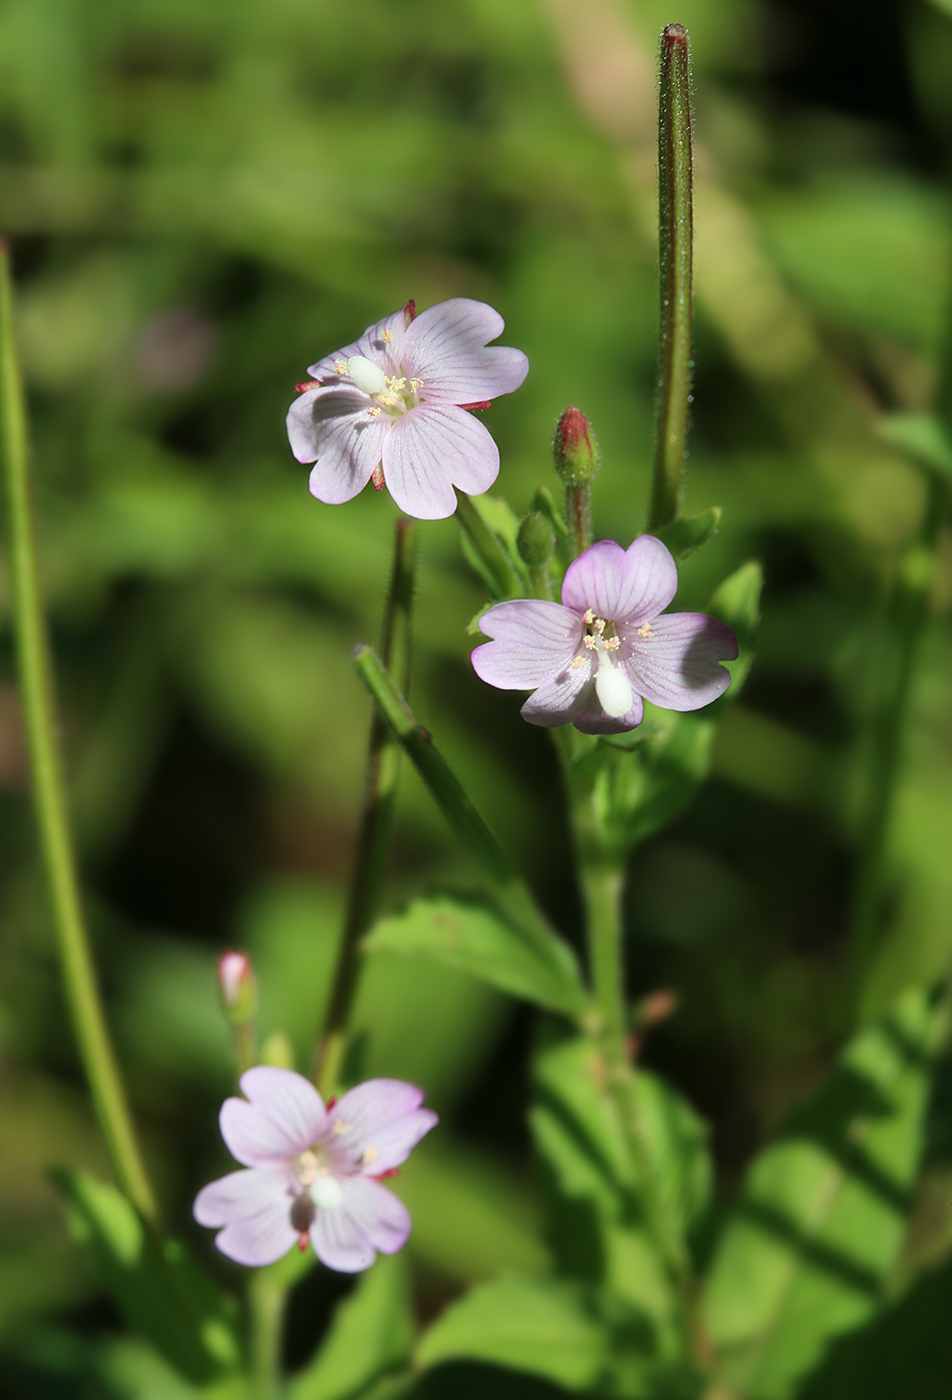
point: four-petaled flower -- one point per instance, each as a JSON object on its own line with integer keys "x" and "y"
{"x": 314, "y": 1172}
{"x": 591, "y": 658}
{"x": 394, "y": 403}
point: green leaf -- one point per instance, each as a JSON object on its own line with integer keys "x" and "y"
{"x": 686, "y": 535}
{"x": 489, "y": 545}
{"x": 822, "y": 1214}
{"x": 903, "y": 1354}
{"x": 595, "y": 1220}
{"x": 162, "y": 1292}
{"x": 566, "y": 1332}
{"x": 924, "y": 437}
{"x": 371, "y": 1333}
{"x": 638, "y": 792}
{"x": 471, "y": 935}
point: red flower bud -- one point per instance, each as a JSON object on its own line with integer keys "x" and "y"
{"x": 575, "y": 448}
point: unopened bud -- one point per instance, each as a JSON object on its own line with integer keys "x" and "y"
{"x": 238, "y": 986}
{"x": 575, "y": 448}
{"x": 535, "y": 540}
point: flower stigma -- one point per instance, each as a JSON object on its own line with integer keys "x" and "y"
{"x": 393, "y": 392}
{"x": 612, "y": 685}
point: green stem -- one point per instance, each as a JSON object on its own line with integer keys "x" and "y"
{"x": 578, "y": 514}
{"x": 267, "y": 1291}
{"x": 380, "y": 792}
{"x": 602, "y": 880}
{"x": 82, "y": 994}
{"x": 675, "y": 237}
{"x": 906, "y": 616}
{"x": 452, "y": 798}
{"x": 499, "y": 568}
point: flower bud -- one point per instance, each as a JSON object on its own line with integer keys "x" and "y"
{"x": 575, "y": 448}
{"x": 535, "y": 540}
{"x": 238, "y": 986}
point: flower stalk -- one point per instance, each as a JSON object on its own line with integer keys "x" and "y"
{"x": 675, "y": 239}
{"x": 380, "y": 792}
{"x": 601, "y": 876}
{"x": 75, "y": 957}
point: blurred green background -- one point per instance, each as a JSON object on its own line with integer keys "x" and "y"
{"x": 203, "y": 198}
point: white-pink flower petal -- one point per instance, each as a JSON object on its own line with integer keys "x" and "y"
{"x": 379, "y": 1215}
{"x": 432, "y": 449}
{"x": 531, "y": 639}
{"x": 677, "y": 665}
{"x": 340, "y": 1243}
{"x": 283, "y": 1116}
{"x": 377, "y": 1124}
{"x": 253, "y": 1207}
{"x": 447, "y": 348}
{"x": 630, "y": 585}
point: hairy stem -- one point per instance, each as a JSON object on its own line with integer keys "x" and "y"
{"x": 82, "y": 993}
{"x": 380, "y": 792}
{"x": 675, "y": 239}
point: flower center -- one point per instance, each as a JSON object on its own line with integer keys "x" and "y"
{"x": 612, "y": 685}
{"x": 316, "y": 1175}
{"x": 393, "y": 393}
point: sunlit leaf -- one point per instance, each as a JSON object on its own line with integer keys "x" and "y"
{"x": 470, "y": 934}
{"x": 160, "y": 1289}
{"x": 565, "y": 1332}
{"x": 821, "y": 1216}
{"x": 371, "y": 1333}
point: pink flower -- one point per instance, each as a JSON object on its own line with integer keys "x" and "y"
{"x": 396, "y": 401}
{"x": 314, "y": 1172}
{"x": 591, "y": 658}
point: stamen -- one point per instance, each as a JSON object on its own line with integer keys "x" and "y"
{"x": 386, "y": 336}
{"x": 306, "y": 384}
{"x": 369, "y": 1156}
{"x": 645, "y": 630}
{"x": 588, "y": 616}
{"x": 340, "y": 366}
{"x": 578, "y": 662}
{"x": 373, "y": 412}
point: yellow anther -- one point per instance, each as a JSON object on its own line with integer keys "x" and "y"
{"x": 340, "y": 1126}
{"x": 645, "y": 630}
{"x": 369, "y": 1156}
{"x": 579, "y": 661}
{"x": 588, "y": 616}
{"x": 396, "y": 386}
{"x": 416, "y": 384}
{"x": 340, "y": 366}
{"x": 386, "y": 336}
{"x": 589, "y": 643}
{"x": 599, "y": 625}
{"x": 373, "y": 412}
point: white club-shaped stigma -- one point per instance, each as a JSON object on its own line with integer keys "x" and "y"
{"x": 325, "y": 1193}
{"x": 366, "y": 375}
{"x": 613, "y": 688}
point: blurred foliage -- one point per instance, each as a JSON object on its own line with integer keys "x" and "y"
{"x": 202, "y": 199}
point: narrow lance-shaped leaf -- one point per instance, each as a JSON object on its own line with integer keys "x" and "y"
{"x": 514, "y": 898}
